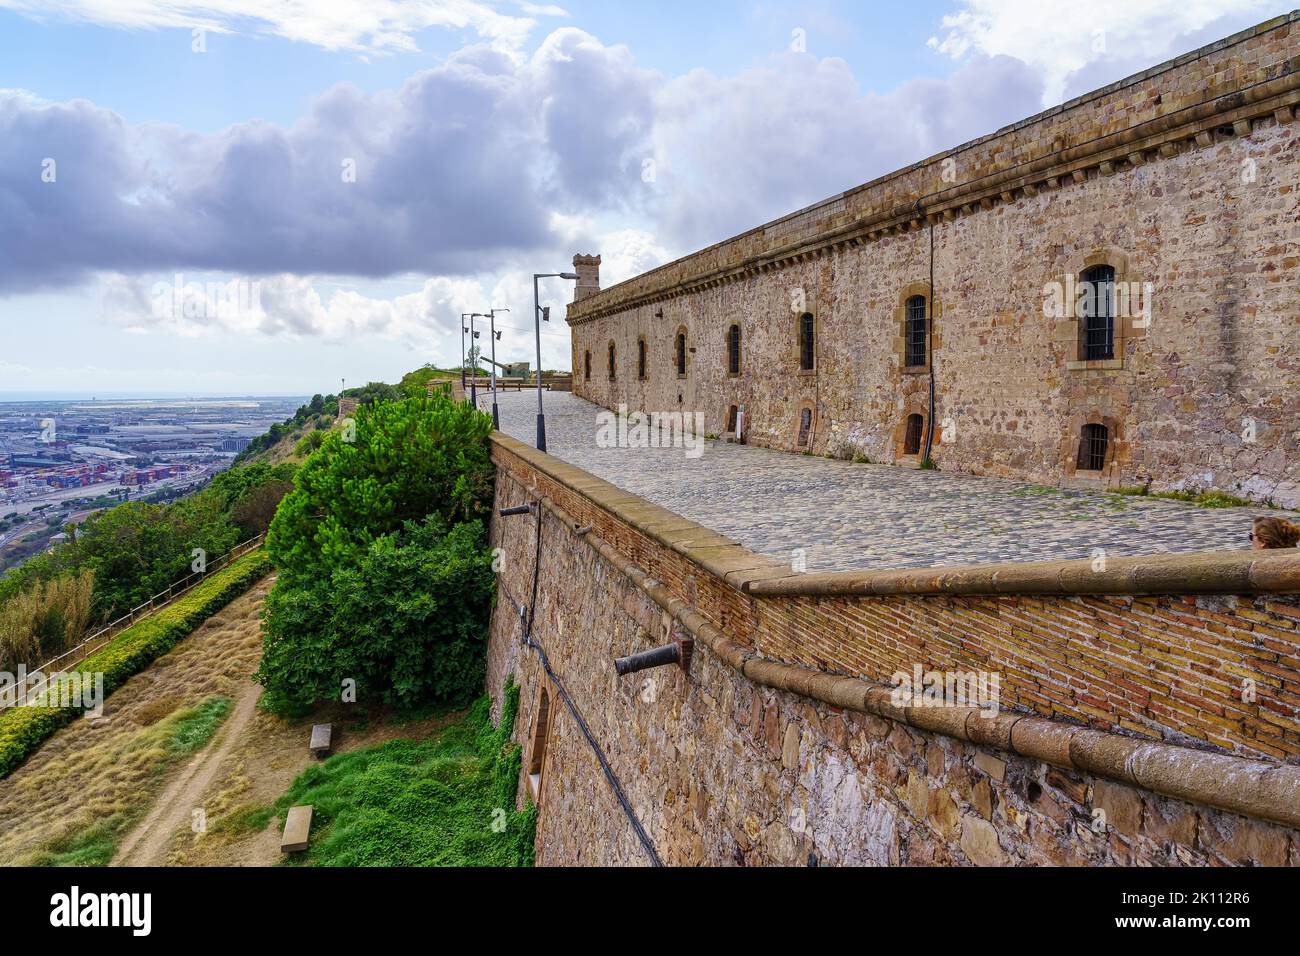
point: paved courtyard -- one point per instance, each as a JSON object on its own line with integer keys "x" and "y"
{"x": 840, "y": 516}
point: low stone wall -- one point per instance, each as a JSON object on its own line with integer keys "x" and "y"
{"x": 721, "y": 769}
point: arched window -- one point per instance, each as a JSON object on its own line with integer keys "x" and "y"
{"x": 1097, "y": 313}
{"x": 916, "y": 332}
{"x": 613, "y": 362}
{"x": 805, "y": 425}
{"x": 915, "y": 430}
{"x": 1094, "y": 444}
{"x": 586, "y": 364}
{"x": 807, "y": 344}
{"x": 640, "y": 358}
{"x": 537, "y": 750}
{"x": 681, "y": 353}
{"x": 733, "y": 350}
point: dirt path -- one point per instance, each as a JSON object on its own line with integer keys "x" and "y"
{"x": 174, "y": 809}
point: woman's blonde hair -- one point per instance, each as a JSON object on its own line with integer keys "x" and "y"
{"x": 1277, "y": 532}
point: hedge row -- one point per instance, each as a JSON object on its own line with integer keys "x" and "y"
{"x": 23, "y": 729}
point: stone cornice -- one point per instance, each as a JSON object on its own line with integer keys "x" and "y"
{"x": 1043, "y": 156}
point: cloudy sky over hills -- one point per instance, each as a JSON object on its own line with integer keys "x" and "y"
{"x": 380, "y": 168}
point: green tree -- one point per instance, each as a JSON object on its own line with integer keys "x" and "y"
{"x": 407, "y": 622}
{"x": 409, "y": 459}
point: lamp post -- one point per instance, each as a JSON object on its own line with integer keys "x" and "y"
{"x": 473, "y": 382}
{"x": 538, "y": 319}
{"x": 493, "y": 335}
{"x": 463, "y": 330}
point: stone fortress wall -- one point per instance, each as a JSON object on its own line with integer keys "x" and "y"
{"x": 1148, "y": 713}
{"x": 1183, "y": 179}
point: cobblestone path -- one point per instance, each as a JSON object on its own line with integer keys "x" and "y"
{"x": 843, "y": 516}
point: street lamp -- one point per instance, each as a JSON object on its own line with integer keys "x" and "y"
{"x": 473, "y": 382}
{"x": 538, "y": 318}
{"x": 493, "y": 336}
{"x": 463, "y": 330}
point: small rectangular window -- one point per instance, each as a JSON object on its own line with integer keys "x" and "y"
{"x": 1097, "y": 313}
{"x": 916, "y": 332}
{"x": 807, "y": 349}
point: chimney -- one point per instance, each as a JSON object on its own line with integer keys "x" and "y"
{"x": 588, "y": 270}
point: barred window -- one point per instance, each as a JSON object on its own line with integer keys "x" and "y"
{"x": 1094, "y": 444}
{"x": 681, "y": 353}
{"x": 613, "y": 363}
{"x": 733, "y": 350}
{"x": 807, "y": 351}
{"x": 912, "y": 440}
{"x": 916, "y": 331}
{"x": 1097, "y": 313}
{"x": 640, "y": 358}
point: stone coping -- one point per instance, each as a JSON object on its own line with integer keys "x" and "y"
{"x": 867, "y": 211}
{"x": 1214, "y": 572}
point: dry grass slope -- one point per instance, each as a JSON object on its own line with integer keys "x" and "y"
{"x": 79, "y": 794}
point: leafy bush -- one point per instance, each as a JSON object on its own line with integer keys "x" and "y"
{"x": 23, "y": 729}
{"x": 408, "y": 460}
{"x": 407, "y": 622}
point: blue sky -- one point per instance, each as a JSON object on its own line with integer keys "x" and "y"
{"x": 488, "y": 139}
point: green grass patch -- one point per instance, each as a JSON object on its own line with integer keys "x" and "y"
{"x": 1205, "y": 499}
{"x": 92, "y": 847}
{"x": 193, "y": 728}
{"x": 24, "y": 729}
{"x": 1131, "y": 491}
{"x": 446, "y": 801}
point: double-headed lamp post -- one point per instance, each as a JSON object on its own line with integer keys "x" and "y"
{"x": 473, "y": 382}
{"x": 463, "y": 330}
{"x": 493, "y": 336}
{"x": 538, "y": 318}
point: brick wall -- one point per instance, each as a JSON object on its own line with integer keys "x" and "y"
{"x": 1185, "y": 177}
{"x": 721, "y": 770}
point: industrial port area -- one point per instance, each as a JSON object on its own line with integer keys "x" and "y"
{"x": 62, "y": 461}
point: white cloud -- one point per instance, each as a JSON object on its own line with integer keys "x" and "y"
{"x": 371, "y": 26}
{"x": 734, "y": 152}
{"x": 1060, "y": 38}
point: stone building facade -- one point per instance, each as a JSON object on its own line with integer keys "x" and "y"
{"x": 1102, "y": 295}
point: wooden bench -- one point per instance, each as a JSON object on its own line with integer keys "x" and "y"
{"x": 322, "y": 736}
{"x": 297, "y": 828}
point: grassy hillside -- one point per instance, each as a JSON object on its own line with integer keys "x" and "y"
{"x": 24, "y": 729}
